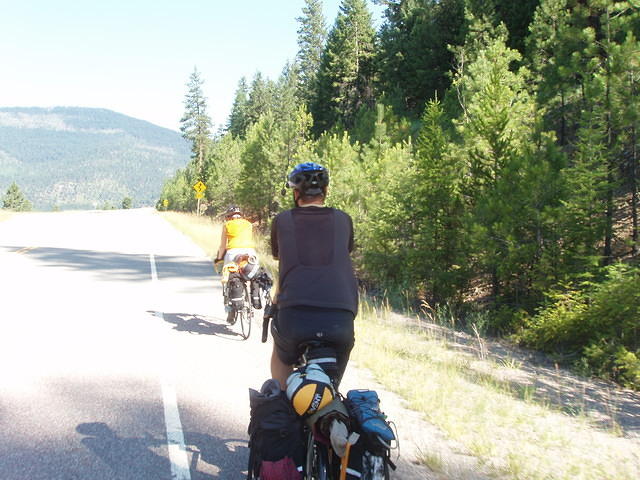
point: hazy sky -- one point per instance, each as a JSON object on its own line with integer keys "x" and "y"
{"x": 135, "y": 56}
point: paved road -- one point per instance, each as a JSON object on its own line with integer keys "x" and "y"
{"x": 115, "y": 358}
{"x": 97, "y": 355}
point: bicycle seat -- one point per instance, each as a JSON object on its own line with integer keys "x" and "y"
{"x": 322, "y": 354}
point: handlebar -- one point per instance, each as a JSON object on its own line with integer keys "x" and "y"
{"x": 265, "y": 329}
{"x": 270, "y": 311}
{"x": 217, "y": 265}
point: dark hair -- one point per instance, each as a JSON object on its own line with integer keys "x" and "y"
{"x": 233, "y": 210}
{"x": 310, "y": 198}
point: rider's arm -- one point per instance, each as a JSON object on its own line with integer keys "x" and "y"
{"x": 274, "y": 252}
{"x": 274, "y": 239}
{"x": 351, "y": 241}
{"x": 223, "y": 243}
{"x": 276, "y": 289}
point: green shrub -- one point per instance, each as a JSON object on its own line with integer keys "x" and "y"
{"x": 627, "y": 366}
{"x": 599, "y": 321}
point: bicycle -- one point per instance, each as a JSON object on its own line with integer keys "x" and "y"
{"x": 318, "y": 464}
{"x": 321, "y": 463}
{"x": 242, "y": 311}
{"x": 319, "y": 458}
{"x": 245, "y": 292}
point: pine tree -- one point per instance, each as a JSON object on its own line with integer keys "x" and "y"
{"x": 480, "y": 33}
{"x": 626, "y": 105}
{"x": 617, "y": 52}
{"x": 349, "y": 187}
{"x": 582, "y": 219}
{"x": 177, "y": 192}
{"x": 384, "y": 172}
{"x": 15, "y": 200}
{"x": 415, "y": 58}
{"x": 238, "y": 122}
{"x": 437, "y": 213}
{"x": 516, "y": 16}
{"x": 497, "y": 128}
{"x": 549, "y": 49}
{"x": 286, "y": 100}
{"x": 311, "y": 38}
{"x": 604, "y": 25}
{"x": 345, "y": 77}
{"x": 223, "y": 173}
{"x": 195, "y": 124}
{"x": 269, "y": 147}
{"x": 261, "y": 98}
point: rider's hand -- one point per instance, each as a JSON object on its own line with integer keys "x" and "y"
{"x": 217, "y": 265}
{"x": 270, "y": 311}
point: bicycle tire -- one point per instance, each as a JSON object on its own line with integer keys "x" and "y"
{"x": 377, "y": 466}
{"x": 317, "y": 464}
{"x": 245, "y": 314}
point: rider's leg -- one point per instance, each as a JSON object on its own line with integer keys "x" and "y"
{"x": 333, "y": 326}
{"x": 285, "y": 345}
{"x": 255, "y": 294}
{"x": 224, "y": 278}
{"x": 296, "y": 325}
{"x": 280, "y": 370}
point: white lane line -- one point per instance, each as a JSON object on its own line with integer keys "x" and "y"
{"x": 175, "y": 437}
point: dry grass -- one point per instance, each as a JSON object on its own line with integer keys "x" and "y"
{"x": 511, "y": 435}
{"x": 434, "y": 461}
{"x": 205, "y": 232}
{"x": 4, "y": 215}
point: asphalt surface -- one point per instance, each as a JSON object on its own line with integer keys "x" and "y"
{"x": 98, "y": 352}
{"x": 116, "y": 361}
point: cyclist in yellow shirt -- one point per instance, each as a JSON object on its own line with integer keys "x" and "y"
{"x": 237, "y": 239}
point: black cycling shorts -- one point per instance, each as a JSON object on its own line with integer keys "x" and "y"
{"x": 295, "y": 325}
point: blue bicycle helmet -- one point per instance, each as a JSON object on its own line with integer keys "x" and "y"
{"x": 309, "y": 177}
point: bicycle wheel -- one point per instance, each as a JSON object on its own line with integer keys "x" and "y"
{"x": 377, "y": 467}
{"x": 245, "y": 314}
{"x": 317, "y": 464}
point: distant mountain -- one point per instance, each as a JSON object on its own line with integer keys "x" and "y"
{"x": 71, "y": 157}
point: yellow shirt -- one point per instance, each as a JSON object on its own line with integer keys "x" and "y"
{"x": 239, "y": 234}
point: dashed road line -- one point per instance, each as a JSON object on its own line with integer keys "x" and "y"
{"x": 175, "y": 436}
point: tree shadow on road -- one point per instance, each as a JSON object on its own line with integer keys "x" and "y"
{"x": 135, "y": 458}
{"x": 199, "y": 324}
{"x": 121, "y": 266}
{"x": 210, "y": 449}
{"x": 128, "y": 458}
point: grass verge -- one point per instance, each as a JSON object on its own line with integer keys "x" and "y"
{"x": 512, "y": 435}
{"x": 201, "y": 229}
{"x": 4, "y": 215}
{"x": 206, "y": 232}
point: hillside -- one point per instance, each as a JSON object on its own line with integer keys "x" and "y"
{"x": 71, "y": 157}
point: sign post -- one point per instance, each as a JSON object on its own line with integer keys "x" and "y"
{"x": 199, "y": 187}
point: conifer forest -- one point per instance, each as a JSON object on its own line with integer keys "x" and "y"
{"x": 487, "y": 151}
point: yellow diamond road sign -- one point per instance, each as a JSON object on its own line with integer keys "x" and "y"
{"x": 199, "y": 194}
{"x": 199, "y": 187}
